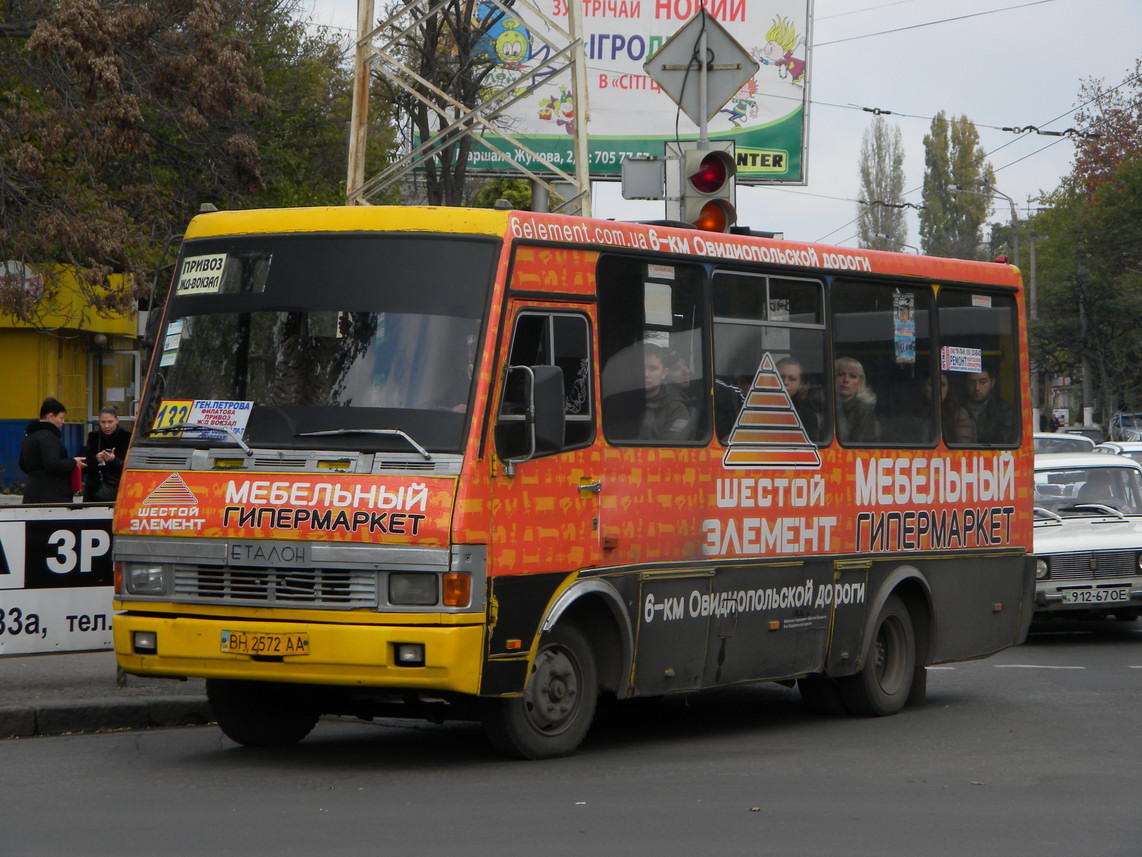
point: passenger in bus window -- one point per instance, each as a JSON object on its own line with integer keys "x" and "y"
{"x": 667, "y": 415}
{"x": 678, "y": 375}
{"x": 995, "y": 420}
{"x": 856, "y": 404}
{"x": 810, "y": 410}
{"x": 728, "y": 402}
{"x": 956, "y": 423}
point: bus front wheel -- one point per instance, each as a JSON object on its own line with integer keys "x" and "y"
{"x": 261, "y": 714}
{"x": 553, "y": 715}
{"x": 883, "y": 685}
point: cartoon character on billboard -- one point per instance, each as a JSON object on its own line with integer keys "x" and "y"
{"x": 781, "y": 41}
{"x": 743, "y": 104}
{"x": 561, "y": 108}
{"x": 506, "y": 42}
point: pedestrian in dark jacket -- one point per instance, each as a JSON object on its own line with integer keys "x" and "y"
{"x": 44, "y": 457}
{"x": 106, "y": 450}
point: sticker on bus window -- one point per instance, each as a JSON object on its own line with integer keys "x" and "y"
{"x": 956, "y": 359}
{"x": 221, "y": 413}
{"x": 660, "y": 272}
{"x": 172, "y": 412}
{"x": 904, "y": 326}
{"x": 171, "y": 341}
{"x": 657, "y": 307}
{"x": 203, "y": 414}
{"x": 981, "y": 300}
{"x": 200, "y": 275}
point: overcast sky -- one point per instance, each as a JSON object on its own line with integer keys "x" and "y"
{"x": 999, "y": 62}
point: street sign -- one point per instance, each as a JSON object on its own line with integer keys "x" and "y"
{"x": 677, "y": 68}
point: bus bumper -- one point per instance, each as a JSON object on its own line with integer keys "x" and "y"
{"x": 342, "y": 654}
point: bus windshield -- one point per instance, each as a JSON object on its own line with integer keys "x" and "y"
{"x": 342, "y": 342}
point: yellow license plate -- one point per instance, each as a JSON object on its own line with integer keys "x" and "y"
{"x": 271, "y": 644}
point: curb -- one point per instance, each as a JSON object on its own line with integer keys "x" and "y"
{"x": 102, "y": 715}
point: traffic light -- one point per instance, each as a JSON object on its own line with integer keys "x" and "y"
{"x": 708, "y": 189}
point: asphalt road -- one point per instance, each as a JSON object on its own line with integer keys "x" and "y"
{"x": 1031, "y": 752}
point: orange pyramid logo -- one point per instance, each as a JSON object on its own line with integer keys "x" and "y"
{"x": 768, "y": 431}
{"x": 172, "y": 491}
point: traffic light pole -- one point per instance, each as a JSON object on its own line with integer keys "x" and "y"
{"x": 703, "y": 90}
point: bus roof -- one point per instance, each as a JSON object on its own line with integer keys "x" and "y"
{"x": 602, "y": 234}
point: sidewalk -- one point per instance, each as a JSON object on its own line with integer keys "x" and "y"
{"x": 57, "y": 694}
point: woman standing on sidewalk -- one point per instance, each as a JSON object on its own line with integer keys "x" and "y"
{"x": 44, "y": 457}
{"x": 106, "y": 451}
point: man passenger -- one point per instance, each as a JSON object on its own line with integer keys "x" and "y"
{"x": 667, "y": 415}
{"x": 809, "y": 410}
{"x": 995, "y": 420}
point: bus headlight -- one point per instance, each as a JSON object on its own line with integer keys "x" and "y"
{"x": 1042, "y": 569}
{"x": 412, "y": 589}
{"x": 145, "y": 578}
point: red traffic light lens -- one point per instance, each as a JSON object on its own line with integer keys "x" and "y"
{"x": 711, "y": 174}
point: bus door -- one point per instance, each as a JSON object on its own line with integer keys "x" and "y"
{"x": 545, "y": 515}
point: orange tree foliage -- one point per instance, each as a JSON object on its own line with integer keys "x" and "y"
{"x": 1115, "y": 114}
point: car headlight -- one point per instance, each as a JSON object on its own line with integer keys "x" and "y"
{"x": 146, "y": 578}
{"x": 1042, "y": 569}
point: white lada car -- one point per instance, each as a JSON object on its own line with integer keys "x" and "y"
{"x": 1088, "y": 535}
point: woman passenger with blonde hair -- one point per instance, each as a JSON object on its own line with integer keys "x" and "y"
{"x": 856, "y": 404}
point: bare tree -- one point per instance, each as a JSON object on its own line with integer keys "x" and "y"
{"x": 446, "y": 45}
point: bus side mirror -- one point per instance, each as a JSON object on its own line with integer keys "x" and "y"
{"x": 548, "y": 409}
{"x": 531, "y": 420}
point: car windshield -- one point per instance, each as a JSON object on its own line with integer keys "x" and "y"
{"x": 343, "y": 342}
{"x": 1062, "y": 443}
{"x": 1080, "y": 491}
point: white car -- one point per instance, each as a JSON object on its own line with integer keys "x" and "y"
{"x": 1088, "y": 535}
{"x": 1131, "y": 449}
{"x": 1062, "y": 442}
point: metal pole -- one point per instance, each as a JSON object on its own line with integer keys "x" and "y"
{"x": 1014, "y": 229}
{"x": 540, "y": 198}
{"x": 703, "y": 90}
{"x": 1033, "y": 308}
{"x": 582, "y": 108}
{"x": 1087, "y": 381}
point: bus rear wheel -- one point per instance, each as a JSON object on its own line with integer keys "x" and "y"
{"x": 882, "y": 687}
{"x": 553, "y": 715}
{"x": 261, "y": 714}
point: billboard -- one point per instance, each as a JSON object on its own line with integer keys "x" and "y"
{"x": 629, "y": 114}
{"x": 56, "y": 579}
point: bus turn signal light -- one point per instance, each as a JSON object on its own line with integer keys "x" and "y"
{"x": 457, "y": 589}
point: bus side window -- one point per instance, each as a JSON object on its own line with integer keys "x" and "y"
{"x": 980, "y": 349}
{"x": 757, "y": 315}
{"x": 654, "y": 373}
{"x": 881, "y": 331}
{"x": 551, "y": 339}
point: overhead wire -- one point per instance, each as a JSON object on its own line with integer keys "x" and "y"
{"x": 933, "y": 23}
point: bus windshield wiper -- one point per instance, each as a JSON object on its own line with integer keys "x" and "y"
{"x": 233, "y": 435}
{"x": 390, "y": 432}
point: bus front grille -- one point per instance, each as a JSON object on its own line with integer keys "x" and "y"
{"x": 281, "y": 587}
